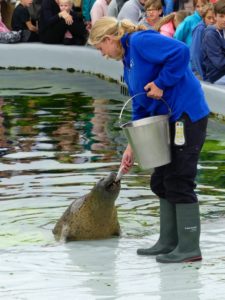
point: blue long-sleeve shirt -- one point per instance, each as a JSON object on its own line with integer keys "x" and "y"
{"x": 150, "y": 56}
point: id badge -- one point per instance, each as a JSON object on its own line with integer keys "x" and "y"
{"x": 179, "y": 139}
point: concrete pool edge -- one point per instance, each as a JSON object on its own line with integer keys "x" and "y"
{"x": 84, "y": 59}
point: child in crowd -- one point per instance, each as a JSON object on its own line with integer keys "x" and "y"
{"x": 99, "y": 10}
{"x": 168, "y": 24}
{"x": 54, "y": 24}
{"x": 21, "y": 20}
{"x": 153, "y": 11}
{"x": 213, "y": 47}
{"x": 184, "y": 30}
{"x": 208, "y": 18}
{"x": 67, "y": 6}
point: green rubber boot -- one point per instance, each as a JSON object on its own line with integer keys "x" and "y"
{"x": 188, "y": 228}
{"x": 168, "y": 231}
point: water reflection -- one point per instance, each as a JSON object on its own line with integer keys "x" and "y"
{"x": 96, "y": 266}
{"x": 3, "y": 140}
{"x": 185, "y": 285}
{"x": 211, "y": 178}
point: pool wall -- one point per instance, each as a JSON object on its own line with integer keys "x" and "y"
{"x": 84, "y": 59}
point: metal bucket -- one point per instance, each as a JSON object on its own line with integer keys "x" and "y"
{"x": 149, "y": 138}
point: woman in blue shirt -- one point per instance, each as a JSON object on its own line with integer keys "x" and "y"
{"x": 158, "y": 66}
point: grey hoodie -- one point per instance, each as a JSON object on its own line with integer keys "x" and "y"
{"x": 115, "y": 7}
{"x": 131, "y": 10}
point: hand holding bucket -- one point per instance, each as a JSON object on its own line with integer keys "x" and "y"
{"x": 149, "y": 138}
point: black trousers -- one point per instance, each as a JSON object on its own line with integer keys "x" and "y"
{"x": 176, "y": 180}
{"x": 54, "y": 34}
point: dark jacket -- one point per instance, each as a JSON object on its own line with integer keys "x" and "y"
{"x": 213, "y": 47}
{"x": 49, "y": 14}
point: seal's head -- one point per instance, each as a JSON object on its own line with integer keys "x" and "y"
{"x": 108, "y": 188}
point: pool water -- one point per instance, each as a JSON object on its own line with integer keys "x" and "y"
{"x": 57, "y": 139}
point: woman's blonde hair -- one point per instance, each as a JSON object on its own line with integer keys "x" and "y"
{"x": 180, "y": 16}
{"x": 107, "y": 26}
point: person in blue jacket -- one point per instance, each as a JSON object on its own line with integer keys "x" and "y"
{"x": 213, "y": 47}
{"x": 208, "y": 18}
{"x": 158, "y": 66}
{"x": 184, "y": 30}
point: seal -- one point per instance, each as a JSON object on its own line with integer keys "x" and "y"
{"x": 93, "y": 216}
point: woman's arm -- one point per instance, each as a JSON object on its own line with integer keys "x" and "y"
{"x": 127, "y": 160}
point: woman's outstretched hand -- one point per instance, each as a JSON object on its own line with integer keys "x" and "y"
{"x": 153, "y": 91}
{"x": 127, "y": 160}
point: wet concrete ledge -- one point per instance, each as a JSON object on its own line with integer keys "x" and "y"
{"x": 85, "y": 59}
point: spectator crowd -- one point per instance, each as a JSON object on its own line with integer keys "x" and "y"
{"x": 68, "y": 22}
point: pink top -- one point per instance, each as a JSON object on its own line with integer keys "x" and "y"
{"x": 168, "y": 29}
{"x": 3, "y": 28}
{"x": 99, "y": 9}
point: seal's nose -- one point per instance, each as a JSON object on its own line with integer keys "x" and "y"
{"x": 110, "y": 181}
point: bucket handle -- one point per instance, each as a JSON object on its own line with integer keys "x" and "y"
{"x": 138, "y": 94}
